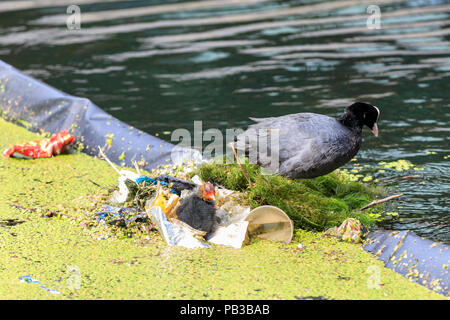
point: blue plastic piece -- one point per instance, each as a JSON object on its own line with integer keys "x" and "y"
{"x": 152, "y": 182}
{"x": 29, "y": 279}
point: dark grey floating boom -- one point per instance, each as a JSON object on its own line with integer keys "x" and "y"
{"x": 43, "y": 107}
{"x": 418, "y": 259}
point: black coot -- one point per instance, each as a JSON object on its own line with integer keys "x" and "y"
{"x": 311, "y": 145}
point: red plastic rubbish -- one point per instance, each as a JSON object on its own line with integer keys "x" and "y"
{"x": 44, "y": 148}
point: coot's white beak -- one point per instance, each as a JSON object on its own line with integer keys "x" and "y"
{"x": 375, "y": 129}
{"x": 375, "y": 126}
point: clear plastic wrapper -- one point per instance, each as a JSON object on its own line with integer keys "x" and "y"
{"x": 175, "y": 234}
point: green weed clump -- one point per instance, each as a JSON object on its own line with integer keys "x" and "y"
{"x": 313, "y": 204}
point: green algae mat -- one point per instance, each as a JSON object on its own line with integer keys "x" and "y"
{"x": 56, "y": 250}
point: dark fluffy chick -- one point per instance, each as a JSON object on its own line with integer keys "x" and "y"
{"x": 198, "y": 210}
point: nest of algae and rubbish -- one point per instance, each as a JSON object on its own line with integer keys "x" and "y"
{"x": 312, "y": 204}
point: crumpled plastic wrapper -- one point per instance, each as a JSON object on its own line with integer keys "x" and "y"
{"x": 232, "y": 235}
{"x": 121, "y": 195}
{"x": 181, "y": 155}
{"x": 350, "y": 230}
{"x": 173, "y": 233}
{"x": 44, "y": 148}
{"x": 167, "y": 201}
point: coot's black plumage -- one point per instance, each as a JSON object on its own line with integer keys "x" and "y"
{"x": 198, "y": 210}
{"x": 310, "y": 144}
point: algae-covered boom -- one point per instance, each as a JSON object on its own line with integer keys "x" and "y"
{"x": 309, "y": 144}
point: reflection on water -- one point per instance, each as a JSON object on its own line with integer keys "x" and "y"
{"x": 162, "y": 66}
